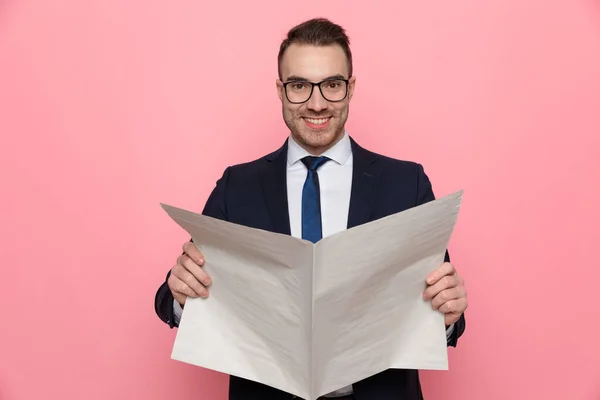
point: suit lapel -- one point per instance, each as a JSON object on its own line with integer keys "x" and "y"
{"x": 274, "y": 182}
{"x": 365, "y": 177}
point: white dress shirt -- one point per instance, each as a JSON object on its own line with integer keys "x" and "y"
{"x": 335, "y": 183}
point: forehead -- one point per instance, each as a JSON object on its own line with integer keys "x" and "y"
{"x": 314, "y": 62}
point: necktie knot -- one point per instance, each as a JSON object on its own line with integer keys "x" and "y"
{"x": 313, "y": 163}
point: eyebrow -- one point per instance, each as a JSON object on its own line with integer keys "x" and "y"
{"x": 296, "y": 78}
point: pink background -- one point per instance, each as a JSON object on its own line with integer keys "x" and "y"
{"x": 109, "y": 107}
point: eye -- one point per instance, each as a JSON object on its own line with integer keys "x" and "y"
{"x": 333, "y": 85}
{"x": 298, "y": 86}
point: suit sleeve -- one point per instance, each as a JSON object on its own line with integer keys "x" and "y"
{"x": 425, "y": 194}
{"x": 215, "y": 207}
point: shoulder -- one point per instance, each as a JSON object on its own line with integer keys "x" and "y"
{"x": 399, "y": 165}
{"x": 403, "y": 173}
{"x": 254, "y": 166}
{"x": 389, "y": 165}
{"x": 398, "y": 177}
{"x": 248, "y": 171}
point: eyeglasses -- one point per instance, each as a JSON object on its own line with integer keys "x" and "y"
{"x": 332, "y": 90}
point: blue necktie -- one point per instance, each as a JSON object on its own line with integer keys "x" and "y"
{"x": 311, "y": 200}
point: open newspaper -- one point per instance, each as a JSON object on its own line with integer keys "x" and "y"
{"x": 312, "y": 318}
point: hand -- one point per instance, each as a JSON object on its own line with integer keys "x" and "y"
{"x": 187, "y": 278}
{"x": 447, "y": 293}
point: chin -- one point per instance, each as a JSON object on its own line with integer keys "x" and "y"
{"x": 318, "y": 139}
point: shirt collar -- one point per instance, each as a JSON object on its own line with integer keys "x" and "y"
{"x": 339, "y": 153}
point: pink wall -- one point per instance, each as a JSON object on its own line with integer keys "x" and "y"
{"x": 108, "y": 108}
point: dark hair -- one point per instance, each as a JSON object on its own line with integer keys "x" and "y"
{"x": 317, "y": 32}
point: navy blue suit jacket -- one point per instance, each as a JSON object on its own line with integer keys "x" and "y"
{"x": 254, "y": 194}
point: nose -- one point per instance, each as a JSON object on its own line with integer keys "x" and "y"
{"x": 316, "y": 102}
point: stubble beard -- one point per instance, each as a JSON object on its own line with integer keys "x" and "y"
{"x": 312, "y": 140}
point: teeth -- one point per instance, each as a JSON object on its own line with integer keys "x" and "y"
{"x": 317, "y": 121}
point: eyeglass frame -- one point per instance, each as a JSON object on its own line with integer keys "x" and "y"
{"x": 312, "y": 89}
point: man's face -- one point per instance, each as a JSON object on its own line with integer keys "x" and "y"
{"x": 316, "y": 124}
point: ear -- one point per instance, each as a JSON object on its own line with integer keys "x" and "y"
{"x": 279, "y": 86}
{"x": 351, "y": 85}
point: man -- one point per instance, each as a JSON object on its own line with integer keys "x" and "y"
{"x": 318, "y": 183}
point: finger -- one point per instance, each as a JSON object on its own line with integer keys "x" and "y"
{"x": 184, "y": 275}
{"x": 196, "y": 270}
{"x": 445, "y": 269}
{"x": 457, "y": 306}
{"x": 180, "y": 289}
{"x": 192, "y": 252}
{"x": 450, "y": 319}
{"x": 180, "y": 298}
{"x": 446, "y": 282}
{"x": 445, "y": 296}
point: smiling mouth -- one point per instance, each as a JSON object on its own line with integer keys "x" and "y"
{"x": 317, "y": 121}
